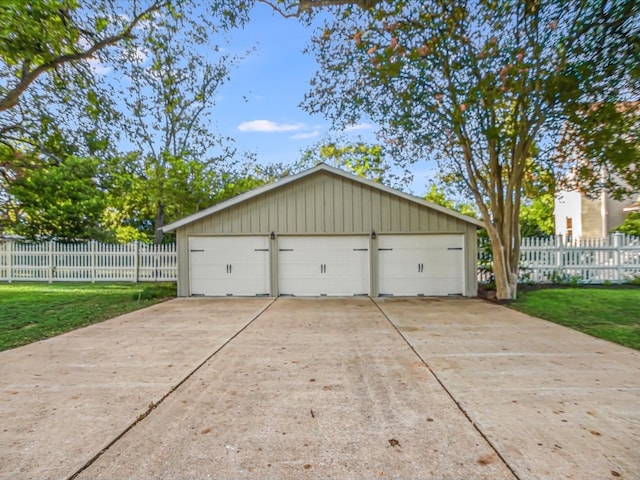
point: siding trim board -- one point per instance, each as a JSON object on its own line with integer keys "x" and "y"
{"x": 325, "y": 202}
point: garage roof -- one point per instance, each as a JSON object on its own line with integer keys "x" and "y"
{"x": 294, "y": 178}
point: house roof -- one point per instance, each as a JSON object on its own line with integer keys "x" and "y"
{"x": 294, "y": 178}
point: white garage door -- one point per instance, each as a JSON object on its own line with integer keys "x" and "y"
{"x": 334, "y": 266}
{"x": 421, "y": 264}
{"x": 229, "y": 266}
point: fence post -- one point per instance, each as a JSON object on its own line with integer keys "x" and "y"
{"x": 617, "y": 255}
{"x": 155, "y": 261}
{"x": 9, "y": 261}
{"x": 136, "y": 260}
{"x": 51, "y": 261}
{"x": 92, "y": 255}
{"x": 559, "y": 254}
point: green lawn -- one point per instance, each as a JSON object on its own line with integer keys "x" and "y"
{"x": 33, "y": 311}
{"x": 612, "y": 313}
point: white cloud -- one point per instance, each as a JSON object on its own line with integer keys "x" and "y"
{"x": 300, "y": 136}
{"x": 269, "y": 126}
{"x": 98, "y": 67}
{"x": 358, "y": 126}
{"x": 140, "y": 55}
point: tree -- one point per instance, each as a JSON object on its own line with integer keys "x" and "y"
{"x": 600, "y": 148}
{"x": 52, "y": 105}
{"x": 59, "y": 201}
{"x": 631, "y": 225}
{"x": 170, "y": 93}
{"x": 538, "y": 203}
{"x": 234, "y": 13}
{"x": 56, "y": 36}
{"x": 536, "y": 216}
{"x": 365, "y": 160}
{"x": 439, "y": 197}
{"x": 478, "y": 85}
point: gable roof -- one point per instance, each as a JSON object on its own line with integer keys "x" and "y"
{"x": 294, "y": 178}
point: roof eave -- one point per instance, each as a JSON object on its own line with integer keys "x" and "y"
{"x": 237, "y": 199}
{"x": 320, "y": 167}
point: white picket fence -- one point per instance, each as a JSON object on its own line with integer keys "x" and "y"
{"x": 87, "y": 262}
{"x": 614, "y": 259}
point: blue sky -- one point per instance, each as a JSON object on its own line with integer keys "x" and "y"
{"x": 259, "y": 107}
{"x": 273, "y": 80}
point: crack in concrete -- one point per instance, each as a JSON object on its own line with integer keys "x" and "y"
{"x": 154, "y": 405}
{"x": 448, "y": 392}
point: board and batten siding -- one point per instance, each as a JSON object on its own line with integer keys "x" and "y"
{"x": 326, "y": 204}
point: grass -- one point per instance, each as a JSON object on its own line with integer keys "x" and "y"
{"x": 611, "y": 313}
{"x": 34, "y": 311}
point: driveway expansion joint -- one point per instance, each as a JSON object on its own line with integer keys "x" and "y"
{"x": 154, "y": 405}
{"x": 447, "y": 391}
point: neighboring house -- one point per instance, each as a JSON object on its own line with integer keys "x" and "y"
{"x": 326, "y": 232}
{"x": 577, "y": 216}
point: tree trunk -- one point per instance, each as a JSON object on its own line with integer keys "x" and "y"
{"x": 505, "y": 273}
{"x": 159, "y": 223}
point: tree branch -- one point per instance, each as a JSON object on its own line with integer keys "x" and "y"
{"x": 305, "y": 6}
{"x": 12, "y": 97}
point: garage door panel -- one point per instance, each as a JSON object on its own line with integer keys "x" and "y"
{"x": 319, "y": 265}
{"x": 420, "y": 265}
{"x": 223, "y": 266}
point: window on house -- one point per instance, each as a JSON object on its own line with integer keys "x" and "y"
{"x": 569, "y": 229}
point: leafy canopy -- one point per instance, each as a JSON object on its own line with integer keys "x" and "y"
{"x": 61, "y": 202}
{"x": 485, "y": 87}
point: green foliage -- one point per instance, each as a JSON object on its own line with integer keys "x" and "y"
{"x": 179, "y": 163}
{"x": 24, "y": 24}
{"x": 59, "y": 201}
{"x": 369, "y": 161}
{"x": 141, "y": 188}
{"x": 631, "y": 225}
{"x": 34, "y": 311}
{"x": 536, "y": 216}
{"x": 231, "y": 184}
{"x": 565, "y": 279}
{"x": 155, "y": 291}
{"x": 186, "y": 187}
{"x": 606, "y": 139}
{"x": 56, "y": 38}
{"x": 479, "y": 86}
{"x": 53, "y": 105}
{"x": 438, "y": 196}
{"x": 538, "y": 203}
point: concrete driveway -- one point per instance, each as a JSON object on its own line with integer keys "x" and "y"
{"x": 321, "y": 388}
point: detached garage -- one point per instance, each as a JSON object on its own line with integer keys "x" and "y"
{"x": 326, "y": 232}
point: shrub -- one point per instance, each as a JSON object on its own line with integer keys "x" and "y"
{"x": 156, "y": 290}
